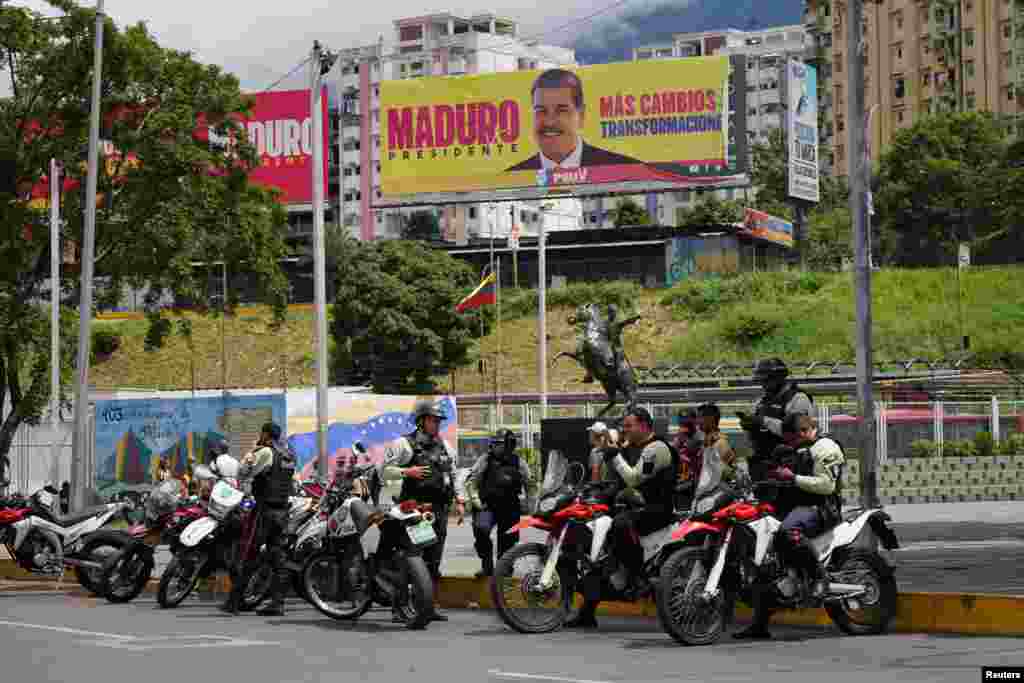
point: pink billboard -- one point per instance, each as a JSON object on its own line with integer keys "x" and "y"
{"x": 281, "y": 129}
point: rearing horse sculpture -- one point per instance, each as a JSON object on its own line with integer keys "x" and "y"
{"x": 599, "y": 351}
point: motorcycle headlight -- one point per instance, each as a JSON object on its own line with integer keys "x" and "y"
{"x": 547, "y": 506}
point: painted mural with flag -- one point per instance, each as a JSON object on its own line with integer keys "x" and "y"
{"x": 485, "y": 294}
{"x": 373, "y": 419}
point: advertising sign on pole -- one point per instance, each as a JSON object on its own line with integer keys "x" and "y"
{"x": 802, "y": 120}
{"x": 663, "y": 121}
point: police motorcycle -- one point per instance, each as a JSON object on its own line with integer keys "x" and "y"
{"x": 42, "y": 541}
{"x": 726, "y": 550}
{"x": 216, "y": 541}
{"x": 167, "y": 512}
{"x": 351, "y": 572}
{"x": 576, "y": 561}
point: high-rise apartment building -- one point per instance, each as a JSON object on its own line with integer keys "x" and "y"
{"x": 764, "y": 54}
{"x": 434, "y": 45}
{"x": 922, "y": 57}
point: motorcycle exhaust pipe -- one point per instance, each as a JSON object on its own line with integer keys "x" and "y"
{"x": 845, "y": 588}
{"x": 84, "y": 564}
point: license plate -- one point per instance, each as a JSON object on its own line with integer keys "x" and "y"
{"x": 422, "y": 533}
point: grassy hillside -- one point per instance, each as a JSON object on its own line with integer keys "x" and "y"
{"x": 792, "y": 315}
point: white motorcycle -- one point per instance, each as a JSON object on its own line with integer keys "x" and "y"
{"x": 342, "y": 580}
{"x": 42, "y": 541}
{"x": 216, "y": 541}
{"x": 726, "y": 550}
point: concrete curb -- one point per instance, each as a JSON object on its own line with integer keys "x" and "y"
{"x": 951, "y": 613}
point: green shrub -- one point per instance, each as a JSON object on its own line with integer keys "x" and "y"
{"x": 984, "y": 444}
{"x": 105, "y": 342}
{"x": 694, "y": 297}
{"x": 1013, "y": 444}
{"x": 959, "y": 449}
{"x": 923, "y": 448}
{"x": 746, "y": 327}
{"x": 523, "y": 304}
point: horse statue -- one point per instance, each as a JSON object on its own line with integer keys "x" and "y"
{"x": 599, "y": 351}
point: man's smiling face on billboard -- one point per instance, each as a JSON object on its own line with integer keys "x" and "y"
{"x": 556, "y": 121}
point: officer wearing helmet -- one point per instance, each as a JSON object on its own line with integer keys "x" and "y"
{"x": 781, "y": 399}
{"x": 492, "y": 489}
{"x": 425, "y": 463}
{"x": 271, "y": 467}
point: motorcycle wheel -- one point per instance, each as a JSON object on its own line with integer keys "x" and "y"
{"x": 126, "y": 574}
{"x": 864, "y": 614}
{"x": 419, "y": 605}
{"x": 682, "y": 613}
{"x": 505, "y": 585}
{"x": 179, "y": 579}
{"x": 100, "y": 547}
{"x": 336, "y": 569}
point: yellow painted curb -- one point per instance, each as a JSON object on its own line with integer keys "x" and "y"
{"x": 955, "y": 613}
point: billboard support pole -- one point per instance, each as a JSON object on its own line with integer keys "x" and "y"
{"x": 542, "y": 289}
{"x": 79, "y": 446}
{"x": 320, "y": 65}
{"x": 859, "y": 214}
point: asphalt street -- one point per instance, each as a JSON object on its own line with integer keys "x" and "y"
{"x": 58, "y": 638}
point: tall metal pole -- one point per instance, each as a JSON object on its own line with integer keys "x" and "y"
{"x": 497, "y": 358}
{"x": 494, "y": 387}
{"x": 55, "y": 181}
{"x": 223, "y": 327}
{"x": 542, "y": 327}
{"x": 860, "y": 165}
{"x": 80, "y": 445}
{"x": 319, "y": 269}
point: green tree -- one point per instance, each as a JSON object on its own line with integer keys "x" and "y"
{"x": 709, "y": 211}
{"x": 422, "y": 225}
{"x": 393, "y": 321}
{"x": 829, "y": 239}
{"x": 166, "y": 198}
{"x": 629, "y": 213}
{"x": 769, "y": 178}
{"x": 948, "y": 178}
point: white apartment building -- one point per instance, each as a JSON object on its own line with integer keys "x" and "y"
{"x": 765, "y": 51}
{"x": 433, "y": 45}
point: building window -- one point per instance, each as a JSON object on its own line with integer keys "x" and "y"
{"x": 472, "y": 212}
{"x": 926, "y": 45}
{"x": 897, "y": 51}
{"x": 840, "y": 125}
{"x": 968, "y": 6}
{"x": 840, "y": 153}
{"x": 899, "y": 87}
{"x": 897, "y": 21}
{"x": 1007, "y": 30}
{"x": 899, "y": 116}
{"x": 1009, "y": 93}
{"x": 940, "y": 15}
{"x": 407, "y": 33}
{"x": 927, "y": 106}
{"x": 970, "y": 100}
{"x": 926, "y": 78}
{"x": 969, "y": 37}
{"x": 969, "y": 68}
{"x": 839, "y": 66}
{"x": 1007, "y": 60}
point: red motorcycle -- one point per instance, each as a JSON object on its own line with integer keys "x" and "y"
{"x": 167, "y": 513}
{"x": 576, "y": 558}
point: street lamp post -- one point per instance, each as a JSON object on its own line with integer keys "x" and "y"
{"x": 81, "y": 435}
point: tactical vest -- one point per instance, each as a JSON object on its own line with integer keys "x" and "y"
{"x": 765, "y": 442}
{"x": 273, "y": 486}
{"x": 502, "y": 480}
{"x": 433, "y": 488}
{"x": 659, "y": 491}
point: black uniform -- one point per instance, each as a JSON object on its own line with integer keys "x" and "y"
{"x": 271, "y": 488}
{"x": 435, "y": 489}
{"x": 498, "y": 485}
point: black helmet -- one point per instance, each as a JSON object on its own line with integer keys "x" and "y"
{"x": 505, "y": 439}
{"x": 426, "y": 407}
{"x": 271, "y": 429}
{"x": 770, "y": 368}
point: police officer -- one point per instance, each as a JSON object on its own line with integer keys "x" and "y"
{"x": 814, "y": 470}
{"x": 425, "y": 462}
{"x": 271, "y": 467}
{"x": 781, "y": 399}
{"x": 492, "y": 490}
{"x": 646, "y": 468}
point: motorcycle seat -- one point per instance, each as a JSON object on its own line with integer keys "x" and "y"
{"x": 76, "y": 517}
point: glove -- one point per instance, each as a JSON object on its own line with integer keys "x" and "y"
{"x": 781, "y": 474}
{"x": 751, "y": 423}
{"x": 608, "y": 454}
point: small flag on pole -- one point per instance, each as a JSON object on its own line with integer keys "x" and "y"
{"x": 483, "y": 295}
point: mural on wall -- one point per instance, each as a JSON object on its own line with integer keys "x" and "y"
{"x": 373, "y": 419}
{"x": 697, "y": 256}
{"x": 133, "y": 435}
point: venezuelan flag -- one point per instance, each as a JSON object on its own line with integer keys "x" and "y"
{"x": 483, "y": 295}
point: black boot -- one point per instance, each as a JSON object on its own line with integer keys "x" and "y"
{"x": 275, "y": 608}
{"x": 486, "y": 569}
{"x": 585, "y": 618}
{"x": 762, "y": 615}
{"x": 233, "y": 604}
{"x": 753, "y": 632}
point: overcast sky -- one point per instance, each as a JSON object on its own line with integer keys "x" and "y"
{"x": 259, "y": 41}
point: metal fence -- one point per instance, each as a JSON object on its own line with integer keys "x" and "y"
{"x": 898, "y": 425}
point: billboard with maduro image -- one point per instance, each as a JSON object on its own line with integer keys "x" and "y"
{"x": 663, "y": 121}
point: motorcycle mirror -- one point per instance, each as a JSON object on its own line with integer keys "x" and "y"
{"x": 203, "y": 473}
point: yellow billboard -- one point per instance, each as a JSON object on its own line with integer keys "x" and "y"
{"x": 649, "y": 121}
